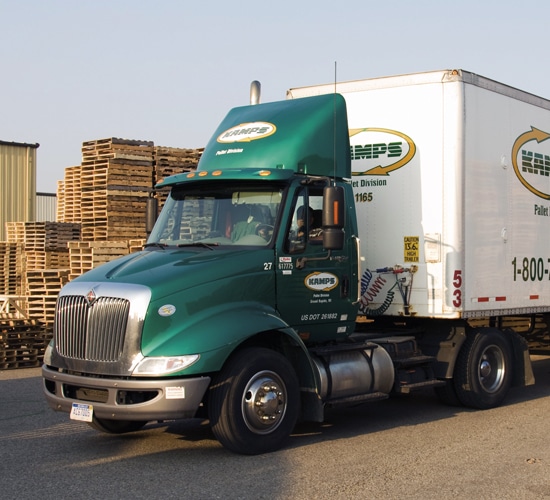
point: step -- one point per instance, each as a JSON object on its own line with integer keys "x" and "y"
{"x": 407, "y": 388}
{"x": 356, "y": 400}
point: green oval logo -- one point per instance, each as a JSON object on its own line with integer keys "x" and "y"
{"x": 531, "y": 164}
{"x": 379, "y": 151}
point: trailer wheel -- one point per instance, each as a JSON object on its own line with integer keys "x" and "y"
{"x": 483, "y": 373}
{"x": 116, "y": 426}
{"x": 254, "y": 402}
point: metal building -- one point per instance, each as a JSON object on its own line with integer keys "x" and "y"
{"x": 46, "y": 207}
{"x": 17, "y": 183}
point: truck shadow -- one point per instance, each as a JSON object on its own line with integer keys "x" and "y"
{"x": 403, "y": 410}
{"x": 408, "y": 410}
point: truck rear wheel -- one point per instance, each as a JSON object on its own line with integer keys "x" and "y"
{"x": 483, "y": 373}
{"x": 116, "y": 426}
{"x": 254, "y": 402}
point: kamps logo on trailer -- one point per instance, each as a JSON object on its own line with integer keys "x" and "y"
{"x": 379, "y": 151}
{"x": 531, "y": 161}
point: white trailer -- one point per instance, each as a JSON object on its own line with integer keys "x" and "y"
{"x": 451, "y": 175}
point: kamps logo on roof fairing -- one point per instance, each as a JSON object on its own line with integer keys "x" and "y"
{"x": 246, "y": 132}
{"x": 531, "y": 161}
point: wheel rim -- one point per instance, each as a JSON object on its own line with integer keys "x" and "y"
{"x": 264, "y": 402}
{"x": 492, "y": 369}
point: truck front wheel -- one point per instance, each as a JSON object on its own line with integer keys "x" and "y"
{"x": 483, "y": 373}
{"x": 254, "y": 402}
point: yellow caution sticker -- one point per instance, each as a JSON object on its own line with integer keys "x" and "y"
{"x": 411, "y": 248}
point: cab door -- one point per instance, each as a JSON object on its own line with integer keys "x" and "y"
{"x": 316, "y": 289}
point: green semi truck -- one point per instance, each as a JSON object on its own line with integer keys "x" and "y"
{"x": 294, "y": 270}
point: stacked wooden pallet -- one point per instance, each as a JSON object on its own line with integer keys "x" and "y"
{"x": 43, "y": 286}
{"x": 101, "y": 209}
{"x": 13, "y": 307}
{"x": 22, "y": 343}
{"x": 108, "y": 191}
{"x": 42, "y": 235}
{"x": 60, "y": 202}
{"x": 11, "y": 268}
{"x": 116, "y": 179}
{"x": 171, "y": 161}
{"x": 85, "y": 255}
{"x": 136, "y": 245}
{"x": 42, "y": 245}
{"x": 69, "y": 194}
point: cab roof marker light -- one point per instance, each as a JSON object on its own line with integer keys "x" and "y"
{"x": 204, "y": 173}
{"x": 264, "y": 173}
{"x": 217, "y": 173}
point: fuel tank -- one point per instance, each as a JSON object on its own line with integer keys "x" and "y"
{"x": 352, "y": 372}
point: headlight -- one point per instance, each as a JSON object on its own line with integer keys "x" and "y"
{"x": 48, "y": 353}
{"x": 164, "y": 365}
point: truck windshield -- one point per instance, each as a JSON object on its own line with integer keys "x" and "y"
{"x": 209, "y": 215}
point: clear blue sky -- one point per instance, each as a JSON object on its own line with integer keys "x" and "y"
{"x": 168, "y": 70}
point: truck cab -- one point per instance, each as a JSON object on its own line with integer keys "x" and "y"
{"x": 252, "y": 261}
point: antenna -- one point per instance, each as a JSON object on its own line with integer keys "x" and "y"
{"x": 334, "y": 118}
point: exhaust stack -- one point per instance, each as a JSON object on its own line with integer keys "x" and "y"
{"x": 255, "y": 90}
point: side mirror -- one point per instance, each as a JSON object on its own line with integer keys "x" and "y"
{"x": 151, "y": 213}
{"x": 334, "y": 217}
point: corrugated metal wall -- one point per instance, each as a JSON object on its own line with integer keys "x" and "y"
{"x": 46, "y": 207}
{"x": 17, "y": 183}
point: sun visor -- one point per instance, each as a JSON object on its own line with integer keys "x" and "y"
{"x": 307, "y": 135}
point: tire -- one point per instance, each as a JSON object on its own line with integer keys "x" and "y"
{"x": 483, "y": 373}
{"x": 446, "y": 394}
{"x": 116, "y": 426}
{"x": 254, "y": 402}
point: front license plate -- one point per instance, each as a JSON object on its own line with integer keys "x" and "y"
{"x": 82, "y": 411}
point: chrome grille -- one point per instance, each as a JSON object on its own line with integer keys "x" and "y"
{"x": 92, "y": 333}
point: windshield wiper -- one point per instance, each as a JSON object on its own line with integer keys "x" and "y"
{"x": 199, "y": 244}
{"x": 155, "y": 244}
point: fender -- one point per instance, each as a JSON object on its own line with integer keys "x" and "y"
{"x": 216, "y": 332}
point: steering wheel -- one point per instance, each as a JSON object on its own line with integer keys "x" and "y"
{"x": 265, "y": 231}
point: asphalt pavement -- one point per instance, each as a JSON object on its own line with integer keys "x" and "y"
{"x": 406, "y": 447}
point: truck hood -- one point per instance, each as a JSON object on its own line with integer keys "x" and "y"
{"x": 171, "y": 270}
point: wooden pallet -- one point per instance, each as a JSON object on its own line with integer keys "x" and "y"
{"x": 60, "y": 205}
{"x": 85, "y": 255}
{"x": 123, "y": 177}
{"x": 117, "y": 148}
{"x": 68, "y": 196}
{"x": 13, "y": 307}
{"x": 42, "y": 235}
{"x": 11, "y": 268}
{"x": 42, "y": 308}
{"x": 171, "y": 161}
{"x": 136, "y": 245}
{"x": 22, "y": 343}
{"x": 46, "y": 281}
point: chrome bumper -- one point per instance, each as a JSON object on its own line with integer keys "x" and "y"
{"x": 115, "y": 399}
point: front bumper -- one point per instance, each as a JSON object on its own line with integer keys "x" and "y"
{"x": 122, "y": 399}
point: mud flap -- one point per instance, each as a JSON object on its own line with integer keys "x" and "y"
{"x": 523, "y": 372}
